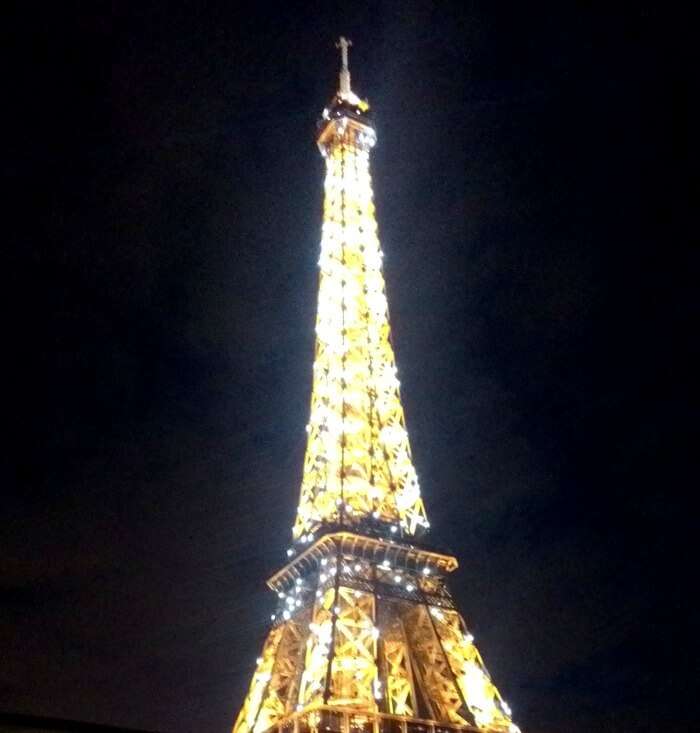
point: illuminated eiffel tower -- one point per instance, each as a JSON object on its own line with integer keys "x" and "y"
{"x": 366, "y": 637}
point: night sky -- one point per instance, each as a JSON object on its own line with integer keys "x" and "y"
{"x": 161, "y": 291}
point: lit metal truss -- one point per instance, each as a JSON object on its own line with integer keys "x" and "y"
{"x": 358, "y": 460}
{"x": 274, "y": 688}
{"x": 369, "y": 625}
{"x": 354, "y": 667}
{"x": 366, "y": 637}
{"x": 476, "y": 688}
{"x": 256, "y": 701}
{"x": 318, "y": 648}
{"x": 400, "y": 691}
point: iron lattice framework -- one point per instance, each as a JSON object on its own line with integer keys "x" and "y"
{"x": 366, "y": 636}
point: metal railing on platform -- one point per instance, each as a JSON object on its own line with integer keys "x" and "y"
{"x": 327, "y": 719}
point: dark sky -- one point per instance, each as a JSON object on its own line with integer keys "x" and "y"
{"x": 162, "y": 290}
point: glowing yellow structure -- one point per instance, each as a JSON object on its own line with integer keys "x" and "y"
{"x": 366, "y": 636}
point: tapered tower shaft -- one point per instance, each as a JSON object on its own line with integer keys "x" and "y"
{"x": 366, "y": 637}
{"x": 358, "y": 465}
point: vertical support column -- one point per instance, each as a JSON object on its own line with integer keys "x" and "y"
{"x": 269, "y": 679}
{"x": 343, "y": 358}
{"x": 334, "y": 620}
{"x": 409, "y": 667}
{"x": 467, "y": 711}
{"x": 379, "y": 659}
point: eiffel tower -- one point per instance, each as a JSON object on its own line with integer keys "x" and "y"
{"x": 366, "y": 637}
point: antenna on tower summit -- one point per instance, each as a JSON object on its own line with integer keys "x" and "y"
{"x": 343, "y": 44}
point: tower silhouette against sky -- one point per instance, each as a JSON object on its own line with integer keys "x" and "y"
{"x": 366, "y": 637}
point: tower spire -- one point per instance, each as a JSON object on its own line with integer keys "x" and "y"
{"x": 343, "y": 44}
